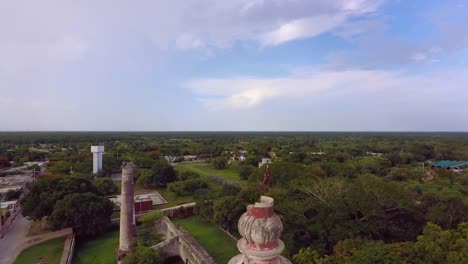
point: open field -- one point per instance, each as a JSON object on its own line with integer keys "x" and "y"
{"x": 98, "y": 250}
{"x": 173, "y": 199}
{"x": 50, "y": 252}
{"x": 220, "y": 246}
{"x": 207, "y": 170}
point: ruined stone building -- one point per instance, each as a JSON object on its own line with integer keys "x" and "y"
{"x": 259, "y": 227}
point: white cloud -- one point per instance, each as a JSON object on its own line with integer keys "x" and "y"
{"x": 301, "y": 28}
{"x": 425, "y": 54}
{"x": 250, "y": 92}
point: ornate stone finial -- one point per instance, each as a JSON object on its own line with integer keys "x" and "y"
{"x": 260, "y": 229}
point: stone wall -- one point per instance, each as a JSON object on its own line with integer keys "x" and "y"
{"x": 68, "y": 250}
{"x": 180, "y": 242}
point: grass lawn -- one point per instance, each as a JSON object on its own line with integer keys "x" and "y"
{"x": 99, "y": 250}
{"x": 220, "y": 246}
{"x": 50, "y": 251}
{"x": 207, "y": 170}
{"x": 173, "y": 199}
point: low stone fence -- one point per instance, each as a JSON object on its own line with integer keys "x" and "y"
{"x": 68, "y": 250}
{"x": 34, "y": 240}
{"x": 68, "y": 247}
{"x": 183, "y": 210}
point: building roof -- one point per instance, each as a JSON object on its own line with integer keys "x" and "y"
{"x": 450, "y": 164}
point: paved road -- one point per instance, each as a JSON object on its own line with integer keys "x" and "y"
{"x": 13, "y": 239}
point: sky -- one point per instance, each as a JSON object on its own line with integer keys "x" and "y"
{"x": 234, "y": 65}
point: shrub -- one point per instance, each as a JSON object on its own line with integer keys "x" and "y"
{"x": 187, "y": 187}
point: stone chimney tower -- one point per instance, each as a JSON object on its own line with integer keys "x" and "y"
{"x": 260, "y": 229}
{"x": 127, "y": 242}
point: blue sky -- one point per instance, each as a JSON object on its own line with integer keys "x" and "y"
{"x": 347, "y": 65}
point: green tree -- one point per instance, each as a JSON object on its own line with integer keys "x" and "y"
{"x": 144, "y": 255}
{"x": 161, "y": 174}
{"x": 105, "y": 186}
{"x": 307, "y": 256}
{"x": 219, "y": 163}
{"x": 245, "y": 171}
{"x": 88, "y": 213}
{"x": 46, "y": 192}
{"x": 186, "y": 175}
{"x": 227, "y": 211}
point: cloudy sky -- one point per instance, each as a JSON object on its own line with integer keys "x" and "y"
{"x": 379, "y": 65}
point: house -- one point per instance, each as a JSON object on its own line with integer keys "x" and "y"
{"x": 170, "y": 159}
{"x": 318, "y": 153}
{"x": 242, "y": 158}
{"x": 374, "y": 154}
{"x": 190, "y": 157}
{"x": 264, "y": 161}
{"x": 454, "y": 165}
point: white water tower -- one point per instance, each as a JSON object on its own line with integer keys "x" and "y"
{"x": 97, "y": 158}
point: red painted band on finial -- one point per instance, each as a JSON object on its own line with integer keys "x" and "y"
{"x": 267, "y": 246}
{"x": 261, "y": 212}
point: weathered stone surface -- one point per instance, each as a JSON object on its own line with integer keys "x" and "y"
{"x": 260, "y": 229}
{"x": 179, "y": 242}
{"x": 127, "y": 241}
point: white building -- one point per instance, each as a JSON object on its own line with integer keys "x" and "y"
{"x": 264, "y": 161}
{"x": 97, "y": 158}
{"x": 190, "y": 157}
{"x": 374, "y": 154}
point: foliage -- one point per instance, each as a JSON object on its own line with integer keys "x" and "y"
{"x": 227, "y": 211}
{"x": 219, "y": 163}
{"x": 144, "y": 255}
{"x": 45, "y": 192}
{"x": 105, "y": 186}
{"x": 187, "y": 187}
{"x": 185, "y": 175}
{"x": 161, "y": 174}
{"x": 149, "y": 218}
{"x": 87, "y": 213}
{"x": 403, "y": 174}
{"x": 59, "y": 167}
{"x": 435, "y": 245}
{"x": 245, "y": 171}
{"x": 281, "y": 172}
{"x": 306, "y": 256}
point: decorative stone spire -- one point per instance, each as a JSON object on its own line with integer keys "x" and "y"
{"x": 260, "y": 229}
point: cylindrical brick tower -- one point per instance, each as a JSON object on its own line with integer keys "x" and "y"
{"x": 260, "y": 229}
{"x": 127, "y": 242}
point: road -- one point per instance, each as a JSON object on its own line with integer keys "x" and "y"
{"x": 16, "y": 235}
